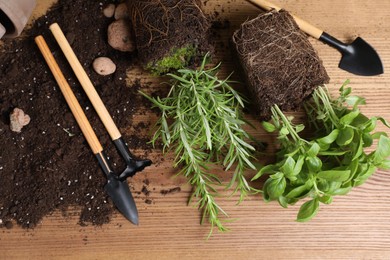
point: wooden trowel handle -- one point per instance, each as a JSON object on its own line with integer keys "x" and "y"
{"x": 70, "y": 98}
{"x": 85, "y": 82}
{"x": 303, "y": 25}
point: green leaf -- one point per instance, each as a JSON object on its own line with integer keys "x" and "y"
{"x": 359, "y": 150}
{"x": 270, "y": 168}
{"x": 308, "y": 210}
{"x": 326, "y": 199}
{"x": 345, "y": 137}
{"x": 276, "y": 188}
{"x": 363, "y": 176}
{"x": 330, "y": 138}
{"x": 367, "y": 140}
{"x": 332, "y": 153}
{"x": 348, "y": 118}
{"x": 284, "y": 131}
{"x": 288, "y": 166}
{"x": 268, "y": 127}
{"x": 313, "y": 151}
{"x": 383, "y": 150}
{"x": 385, "y": 165}
{"x": 384, "y": 121}
{"x": 298, "y": 165}
{"x": 340, "y": 191}
{"x": 355, "y": 101}
{"x": 283, "y": 202}
{"x": 370, "y": 125}
{"x": 334, "y": 175}
{"x": 314, "y": 164}
{"x": 298, "y": 191}
{"x": 377, "y": 135}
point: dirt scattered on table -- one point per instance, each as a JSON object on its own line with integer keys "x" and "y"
{"x": 170, "y": 191}
{"x": 49, "y": 165}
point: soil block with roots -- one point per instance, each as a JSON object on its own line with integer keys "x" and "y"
{"x": 169, "y": 34}
{"x": 280, "y": 64}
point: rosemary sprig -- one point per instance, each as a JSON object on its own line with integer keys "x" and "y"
{"x": 201, "y": 121}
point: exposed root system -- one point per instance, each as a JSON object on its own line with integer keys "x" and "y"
{"x": 280, "y": 64}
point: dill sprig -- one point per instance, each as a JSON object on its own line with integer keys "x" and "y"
{"x": 201, "y": 121}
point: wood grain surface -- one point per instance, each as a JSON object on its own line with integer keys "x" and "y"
{"x": 356, "y": 226}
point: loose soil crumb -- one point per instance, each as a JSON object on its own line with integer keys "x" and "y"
{"x": 170, "y": 191}
{"x": 49, "y": 165}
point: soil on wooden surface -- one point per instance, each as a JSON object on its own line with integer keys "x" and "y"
{"x": 49, "y": 165}
{"x": 279, "y": 62}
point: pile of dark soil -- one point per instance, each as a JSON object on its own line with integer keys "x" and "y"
{"x": 280, "y": 64}
{"x": 161, "y": 27}
{"x": 49, "y": 165}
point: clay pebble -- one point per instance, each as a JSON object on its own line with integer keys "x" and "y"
{"x": 119, "y": 36}
{"x": 109, "y": 10}
{"x": 104, "y": 66}
{"x": 18, "y": 119}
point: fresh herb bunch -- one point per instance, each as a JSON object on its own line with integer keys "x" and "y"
{"x": 331, "y": 162}
{"x": 202, "y": 123}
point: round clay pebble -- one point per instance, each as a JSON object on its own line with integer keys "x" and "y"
{"x": 104, "y": 66}
{"x": 121, "y": 11}
{"x": 119, "y": 36}
{"x": 109, "y": 10}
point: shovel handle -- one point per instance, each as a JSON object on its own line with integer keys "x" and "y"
{"x": 85, "y": 81}
{"x": 70, "y": 98}
{"x": 303, "y": 25}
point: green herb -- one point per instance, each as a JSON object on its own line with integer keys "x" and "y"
{"x": 202, "y": 123}
{"x": 332, "y": 161}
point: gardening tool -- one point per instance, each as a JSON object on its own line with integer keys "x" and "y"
{"x": 358, "y": 57}
{"x": 14, "y": 16}
{"x": 117, "y": 189}
{"x": 132, "y": 166}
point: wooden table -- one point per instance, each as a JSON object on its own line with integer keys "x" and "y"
{"x": 353, "y": 226}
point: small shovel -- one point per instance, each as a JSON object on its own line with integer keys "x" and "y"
{"x": 358, "y": 57}
{"x": 116, "y": 188}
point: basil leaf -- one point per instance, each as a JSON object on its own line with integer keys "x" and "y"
{"x": 276, "y": 188}
{"x": 367, "y": 140}
{"x": 345, "y": 137}
{"x": 355, "y": 101}
{"x": 370, "y": 125}
{"x": 268, "y": 127}
{"x": 363, "y": 176}
{"x": 348, "y": 118}
{"x": 266, "y": 169}
{"x": 385, "y": 165}
{"x": 330, "y": 138}
{"x": 308, "y": 210}
{"x": 384, "y": 121}
{"x": 298, "y": 191}
{"x": 283, "y": 202}
{"x": 313, "y": 151}
{"x": 326, "y": 199}
{"x": 334, "y": 175}
{"x": 383, "y": 150}
{"x": 314, "y": 164}
{"x": 288, "y": 166}
{"x": 332, "y": 152}
{"x": 298, "y": 165}
{"x": 377, "y": 135}
{"x": 340, "y": 191}
{"x": 359, "y": 149}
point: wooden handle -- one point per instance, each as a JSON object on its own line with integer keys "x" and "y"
{"x": 70, "y": 98}
{"x": 85, "y": 82}
{"x": 303, "y": 25}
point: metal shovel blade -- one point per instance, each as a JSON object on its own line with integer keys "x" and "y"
{"x": 359, "y": 57}
{"x": 121, "y": 196}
